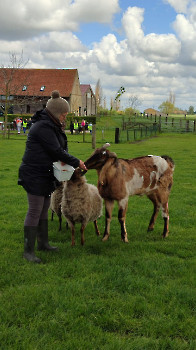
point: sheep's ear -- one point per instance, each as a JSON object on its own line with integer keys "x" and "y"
{"x": 83, "y": 172}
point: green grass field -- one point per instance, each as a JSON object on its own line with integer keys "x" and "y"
{"x": 104, "y": 295}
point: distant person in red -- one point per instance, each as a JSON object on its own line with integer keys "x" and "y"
{"x": 83, "y": 123}
{"x": 19, "y": 124}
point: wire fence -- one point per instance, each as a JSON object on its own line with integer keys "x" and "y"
{"x": 130, "y": 128}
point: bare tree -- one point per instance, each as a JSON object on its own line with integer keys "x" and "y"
{"x": 111, "y": 104}
{"x": 134, "y": 101}
{"x": 9, "y": 85}
{"x": 104, "y": 102}
{"x": 98, "y": 93}
{"x": 172, "y": 98}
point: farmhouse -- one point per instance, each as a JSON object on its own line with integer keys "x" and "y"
{"x": 88, "y": 100}
{"x": 153, "y": 111}
{"x": 28, "y": 90}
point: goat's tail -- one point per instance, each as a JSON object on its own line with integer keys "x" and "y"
{"x": 169, "y": 160}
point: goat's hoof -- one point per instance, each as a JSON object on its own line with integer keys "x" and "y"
{"x": 165, "y": 235}
{"x": 124, "y": 240}
{"x": 105, "y": 238}
{"x": 150, "y": 229}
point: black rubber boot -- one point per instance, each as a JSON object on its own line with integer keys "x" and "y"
{"x": 42, "y": 237}
{"x": 30, "y": 233}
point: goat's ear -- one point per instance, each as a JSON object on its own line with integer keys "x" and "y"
{"x": 112, "y": 155}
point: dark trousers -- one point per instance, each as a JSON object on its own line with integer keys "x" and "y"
{"x": 37, "y": 210}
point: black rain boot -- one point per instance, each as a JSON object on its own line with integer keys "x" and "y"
{"x": 42, "y": 236}
{"x": 30, "y": 233}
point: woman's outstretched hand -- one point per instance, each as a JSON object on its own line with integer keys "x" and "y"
{"x": 82, "y": 165}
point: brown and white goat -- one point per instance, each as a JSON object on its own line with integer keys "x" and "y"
{"x": 120, "y": 178}
{"x": 81, "y": 203}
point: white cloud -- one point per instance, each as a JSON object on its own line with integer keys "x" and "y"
{"x": 149, "y": 65}
{"x": 180, "y": 6}
{"x": 185, "y": 29}
{"x": 101, "y": 11}
{"x": 29, "y": 18}
{"x": 164, "y": 47}
{"x": 60, "y": 42}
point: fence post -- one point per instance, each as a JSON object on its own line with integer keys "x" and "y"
{"x": 187, "y": 126}
{"x": 172, "y": 121}
{"x": 123, "y": 119}
{"x": 94, "y": 136}
{"x": 194, "y": 125}
{"x": 117, "y": 132}
{"x": 160, "y": 123}
{"x": 127, "y": 134}
{"x": 166, "y": 120}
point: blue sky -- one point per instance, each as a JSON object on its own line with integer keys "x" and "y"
{"x": 158, "y": 19}
{"x": 147, "y": 46}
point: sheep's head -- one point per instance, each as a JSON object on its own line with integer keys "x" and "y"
{"x": 99, "y": 157}
{"x": 77, "y": 174}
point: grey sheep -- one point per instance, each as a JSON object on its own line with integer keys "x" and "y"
{"x": 55, "y": 203}
{"x": 81, "y": 203}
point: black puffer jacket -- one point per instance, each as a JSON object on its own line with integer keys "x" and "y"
{"x": 46, "y": 144}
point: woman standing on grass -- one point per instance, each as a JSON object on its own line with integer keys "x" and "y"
{"x": 46, "y": 143}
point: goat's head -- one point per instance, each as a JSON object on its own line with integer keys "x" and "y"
{"x": 99, "y": 157}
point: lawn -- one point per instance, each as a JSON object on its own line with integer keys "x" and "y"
{"x": 104, "y": 295}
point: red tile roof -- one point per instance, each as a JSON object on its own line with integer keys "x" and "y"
{"x": 52, "y": 79}
{"x": 84, "y": 88}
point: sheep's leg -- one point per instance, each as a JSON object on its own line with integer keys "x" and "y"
{"x": 60, "y": 222}
{"x": 96, "y": 228}
{"x": 82, "y": 233}
{"x": 72, "y": 225}
{"x": 156, "y": 204}
{"x": 108, "y": 217}
{"x": 121, "y": 218}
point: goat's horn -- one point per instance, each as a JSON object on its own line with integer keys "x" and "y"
{"x": 106, "y": 145}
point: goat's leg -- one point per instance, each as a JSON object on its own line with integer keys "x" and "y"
{"x": 96, "y": 228}
{"x": 156, "y": 204}
{"x": 82, "y": 233}
{"x": 52, "y": 216}
{"x": 109, "y": 205}
{"x": 165, "y": 215}
{"x": 122, "y": 209}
